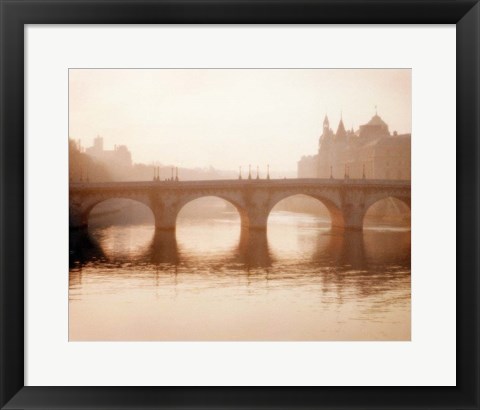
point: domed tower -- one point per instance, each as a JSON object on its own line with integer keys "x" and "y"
{"x": 375, "y": 128}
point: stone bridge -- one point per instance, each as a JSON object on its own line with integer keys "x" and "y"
{"x": 346, "y": 199}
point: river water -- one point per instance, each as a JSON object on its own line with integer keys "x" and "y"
{"x": 208, "y": 281}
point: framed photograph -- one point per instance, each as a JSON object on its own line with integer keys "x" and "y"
{"x": 239, "y": 205}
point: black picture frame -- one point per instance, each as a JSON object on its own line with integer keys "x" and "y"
{"x": 15, "y": 14}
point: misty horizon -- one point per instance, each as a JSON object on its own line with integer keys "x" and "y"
{"x": 201, "y": 118}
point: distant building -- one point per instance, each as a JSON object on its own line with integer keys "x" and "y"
{"x": 308, "y": 166}
{"x": 371, "y": 151}
{"x": 118, "y": 158}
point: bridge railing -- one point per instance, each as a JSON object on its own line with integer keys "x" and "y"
{"x": 242, "y": 182}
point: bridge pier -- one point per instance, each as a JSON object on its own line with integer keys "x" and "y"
{"x": 165, "y": 222}
{"x": 352, "y": 218}
{"x": 255, "y": 219}
{"x": 165, "y": 216}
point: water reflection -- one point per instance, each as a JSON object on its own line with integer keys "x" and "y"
{"x": 83, "y": 248}
{"x": 163, "y": 248}
{"x": 388, "y": 246}
{"x": 253, "y": 250}
{"x": 300, "y": 281}
{"x": 337, "y": 250}
{"x": 340, "y": 249}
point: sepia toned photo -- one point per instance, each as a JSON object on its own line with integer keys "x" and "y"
{"x": 239, "y": 204}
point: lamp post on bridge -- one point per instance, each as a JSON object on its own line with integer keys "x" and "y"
{"x": 268, "y": 171}
{"x": 249, "y": 171}
{"x": 258, "y": 176}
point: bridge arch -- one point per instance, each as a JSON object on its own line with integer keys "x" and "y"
{"x": 239, "y": 208}
{"x": 207, "y": 224}
{"x": 121, "y": 203}
{"x": 383, "y": 198}
{"x": 372, "y": 199}
{"x": 336, "y": 215}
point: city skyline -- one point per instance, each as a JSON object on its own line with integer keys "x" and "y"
{"x": 146, "y": 111}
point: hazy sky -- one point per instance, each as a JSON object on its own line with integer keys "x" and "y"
{"x": 227, "y": 118}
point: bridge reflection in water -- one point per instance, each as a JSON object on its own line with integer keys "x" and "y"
{"x": 351, "y": 250}
{"x": 300, "y": 280}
